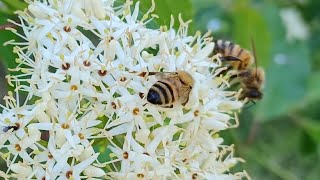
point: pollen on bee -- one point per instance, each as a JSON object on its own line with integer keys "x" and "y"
{"x": 17, "y": 147}
{"x": 65, "y": 66}
{"x": 135, "y": 111}
{"x": 69, "y": 174}
{"x": 65, "y": 126}
{"x": 74, "y": 87}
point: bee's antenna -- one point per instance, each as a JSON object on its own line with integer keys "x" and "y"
{"x": 253, "y": 47}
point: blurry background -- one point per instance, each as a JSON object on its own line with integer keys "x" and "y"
{"x": 279, "y": 137}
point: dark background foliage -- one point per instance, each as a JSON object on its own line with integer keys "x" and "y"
{"x": 279, "y": 137}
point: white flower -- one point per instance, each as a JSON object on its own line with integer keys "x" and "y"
{"x": 294, "y": 24}
{"x": 21, "y": 170}
{"x": 86, "y": 114}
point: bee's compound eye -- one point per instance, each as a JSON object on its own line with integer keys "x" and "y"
{"x": 154, "y": 97}
{"x": 255, "y": 94}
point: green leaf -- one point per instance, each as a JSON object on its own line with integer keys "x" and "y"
{"x": 285, "y": 83}
{"x": 6, "y": 54}
{"x": 14, "y": 5}
{"x": 307, "y": 144}
{"x": 313, "y": 87}
{"x": 164, "y": 9}
{"x": 249, "y": 23}
{"x": 104, "y": 152}
{"x": 311, "y": 127}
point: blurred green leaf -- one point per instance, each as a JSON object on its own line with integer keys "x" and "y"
{"x": 271, "y": 165}
{"x": 211, "y": 15}
{"x": 165, "y": 8}
{"x": 249, "y": 23}
{"x": 14, "y": 5}
{"x": 286, "y": 80}
{"x": 307, "y": 144}
{"x": 313, "y": 87}
{"x": 313, "y": 172}
{"x": 311, "y": 127}
{"x": 104, "y": 152}
{"x": 6, "y": 54}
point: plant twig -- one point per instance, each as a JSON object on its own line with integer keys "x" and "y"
{"x": 9, "y": 25}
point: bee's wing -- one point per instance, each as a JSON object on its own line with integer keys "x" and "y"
{"x": 229, "y": 58}
{"x": 159, "y": 75}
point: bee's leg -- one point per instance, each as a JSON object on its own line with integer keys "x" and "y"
{"x": 223, "y": 72}
{"x": 252, "y": 103}
{"x": 141, "y": 95}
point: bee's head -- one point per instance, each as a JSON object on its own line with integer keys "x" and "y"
{"x": 253, "y": 94}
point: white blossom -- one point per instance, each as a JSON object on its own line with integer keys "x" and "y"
{"x": 80, "y": 63}
{"x": 295, "y": 25}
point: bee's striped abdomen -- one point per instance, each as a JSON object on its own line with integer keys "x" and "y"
{"x": 161, "y": 93}
{"x": 233, "y": 54}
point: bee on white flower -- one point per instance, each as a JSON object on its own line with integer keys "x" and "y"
{"x": 84, "y": 116}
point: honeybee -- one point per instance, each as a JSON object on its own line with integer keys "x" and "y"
{"x": 170, "y": 88}
{"x": 252, "y": 81}
{"x": 232, "y": 54}
{"x": 251, "y": 78}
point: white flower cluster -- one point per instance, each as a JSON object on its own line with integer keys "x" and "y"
{"x": 81, "y": 65}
